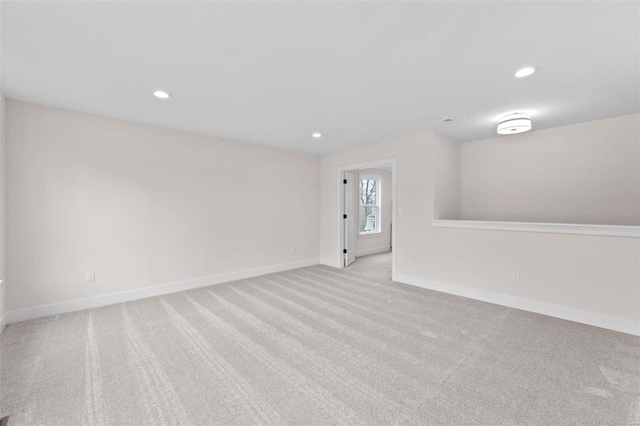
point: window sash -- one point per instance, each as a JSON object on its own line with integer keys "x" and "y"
{"x": 374, "y": 217}
{"x": 377, "y": 192}
{"x": 372, "y": 207}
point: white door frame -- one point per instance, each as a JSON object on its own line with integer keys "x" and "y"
{"x": 340, "y": 229}
{"x": 350, "y": 227}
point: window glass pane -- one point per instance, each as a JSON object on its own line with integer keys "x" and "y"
{"x": 368, "y": 192}
{"x": 368, "y": 219}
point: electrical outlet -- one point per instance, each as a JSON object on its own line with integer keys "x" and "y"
{"x": 515, "y": 275}
{"x": 294, "y": 249}
{"x": 91, "y": 276}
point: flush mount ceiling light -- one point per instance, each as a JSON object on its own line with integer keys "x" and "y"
{"x": 526, "y": 71}
{"x": 316, "y": 135}
{"x": 514, "y": 123}
{"x": 161, "y": 94}
{"x": 530, "y": 112}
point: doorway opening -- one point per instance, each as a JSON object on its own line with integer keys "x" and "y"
{"x": 367, "y": 211}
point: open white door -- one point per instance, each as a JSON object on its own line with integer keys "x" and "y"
{"x": 350, "y": 219}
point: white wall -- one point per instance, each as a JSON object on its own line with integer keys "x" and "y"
{"x": 144, "y": 206}
{"x": 585, "y": 173}
{"x": 366, "y": 244}
{"x": 3, "y": 207}
{"x": 594, "y": 274}
{"x": 447, "y": 179}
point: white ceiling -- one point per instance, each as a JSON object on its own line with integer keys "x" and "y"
{"x": 359, "y": 73}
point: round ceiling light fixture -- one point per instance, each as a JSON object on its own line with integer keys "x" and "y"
{"x": 161, "y": 94}
{"x": 316, "y": 135}
{"x": 512, "y": 124}
{"x": 526, "y": 71}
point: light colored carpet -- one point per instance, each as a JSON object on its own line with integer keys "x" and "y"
{"x": 316, "y": 346}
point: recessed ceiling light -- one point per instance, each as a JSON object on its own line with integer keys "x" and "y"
{"x": 161, "y": 94}
{"x": 316, "y": 135}
{"x": 514, "y": 123}
{"x": 523, "y": 72}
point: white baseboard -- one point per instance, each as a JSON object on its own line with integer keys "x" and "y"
{"x": 143, "y": 293}
{"x": 372, "y": 251}
{"x": 330, "y": 262}
{"x": 570, "y": 314}
{"x": 3, "y": 301}
{"x": 336, "y": 264}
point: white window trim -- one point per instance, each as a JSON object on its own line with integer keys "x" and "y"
{"x": 378, "y": 205}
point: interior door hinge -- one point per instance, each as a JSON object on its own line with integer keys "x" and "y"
{"x": 344, "y": 181}
{"x": 344, "y": 251}
{"x": 344, "y": 216}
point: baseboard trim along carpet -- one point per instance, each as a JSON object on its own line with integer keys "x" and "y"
{"x": 3, "y": 319}
{"x": 330, "y": 262}
{"x": 371, "y": 251}
{"x": 143, "y": 293}
{"x": 562, "y": 312}
{"x": 316, "y": 346}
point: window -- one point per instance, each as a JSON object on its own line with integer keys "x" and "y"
{"x": 369, "y": 204}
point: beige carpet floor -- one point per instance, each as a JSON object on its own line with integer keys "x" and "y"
{"x": 316, "y": 346}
